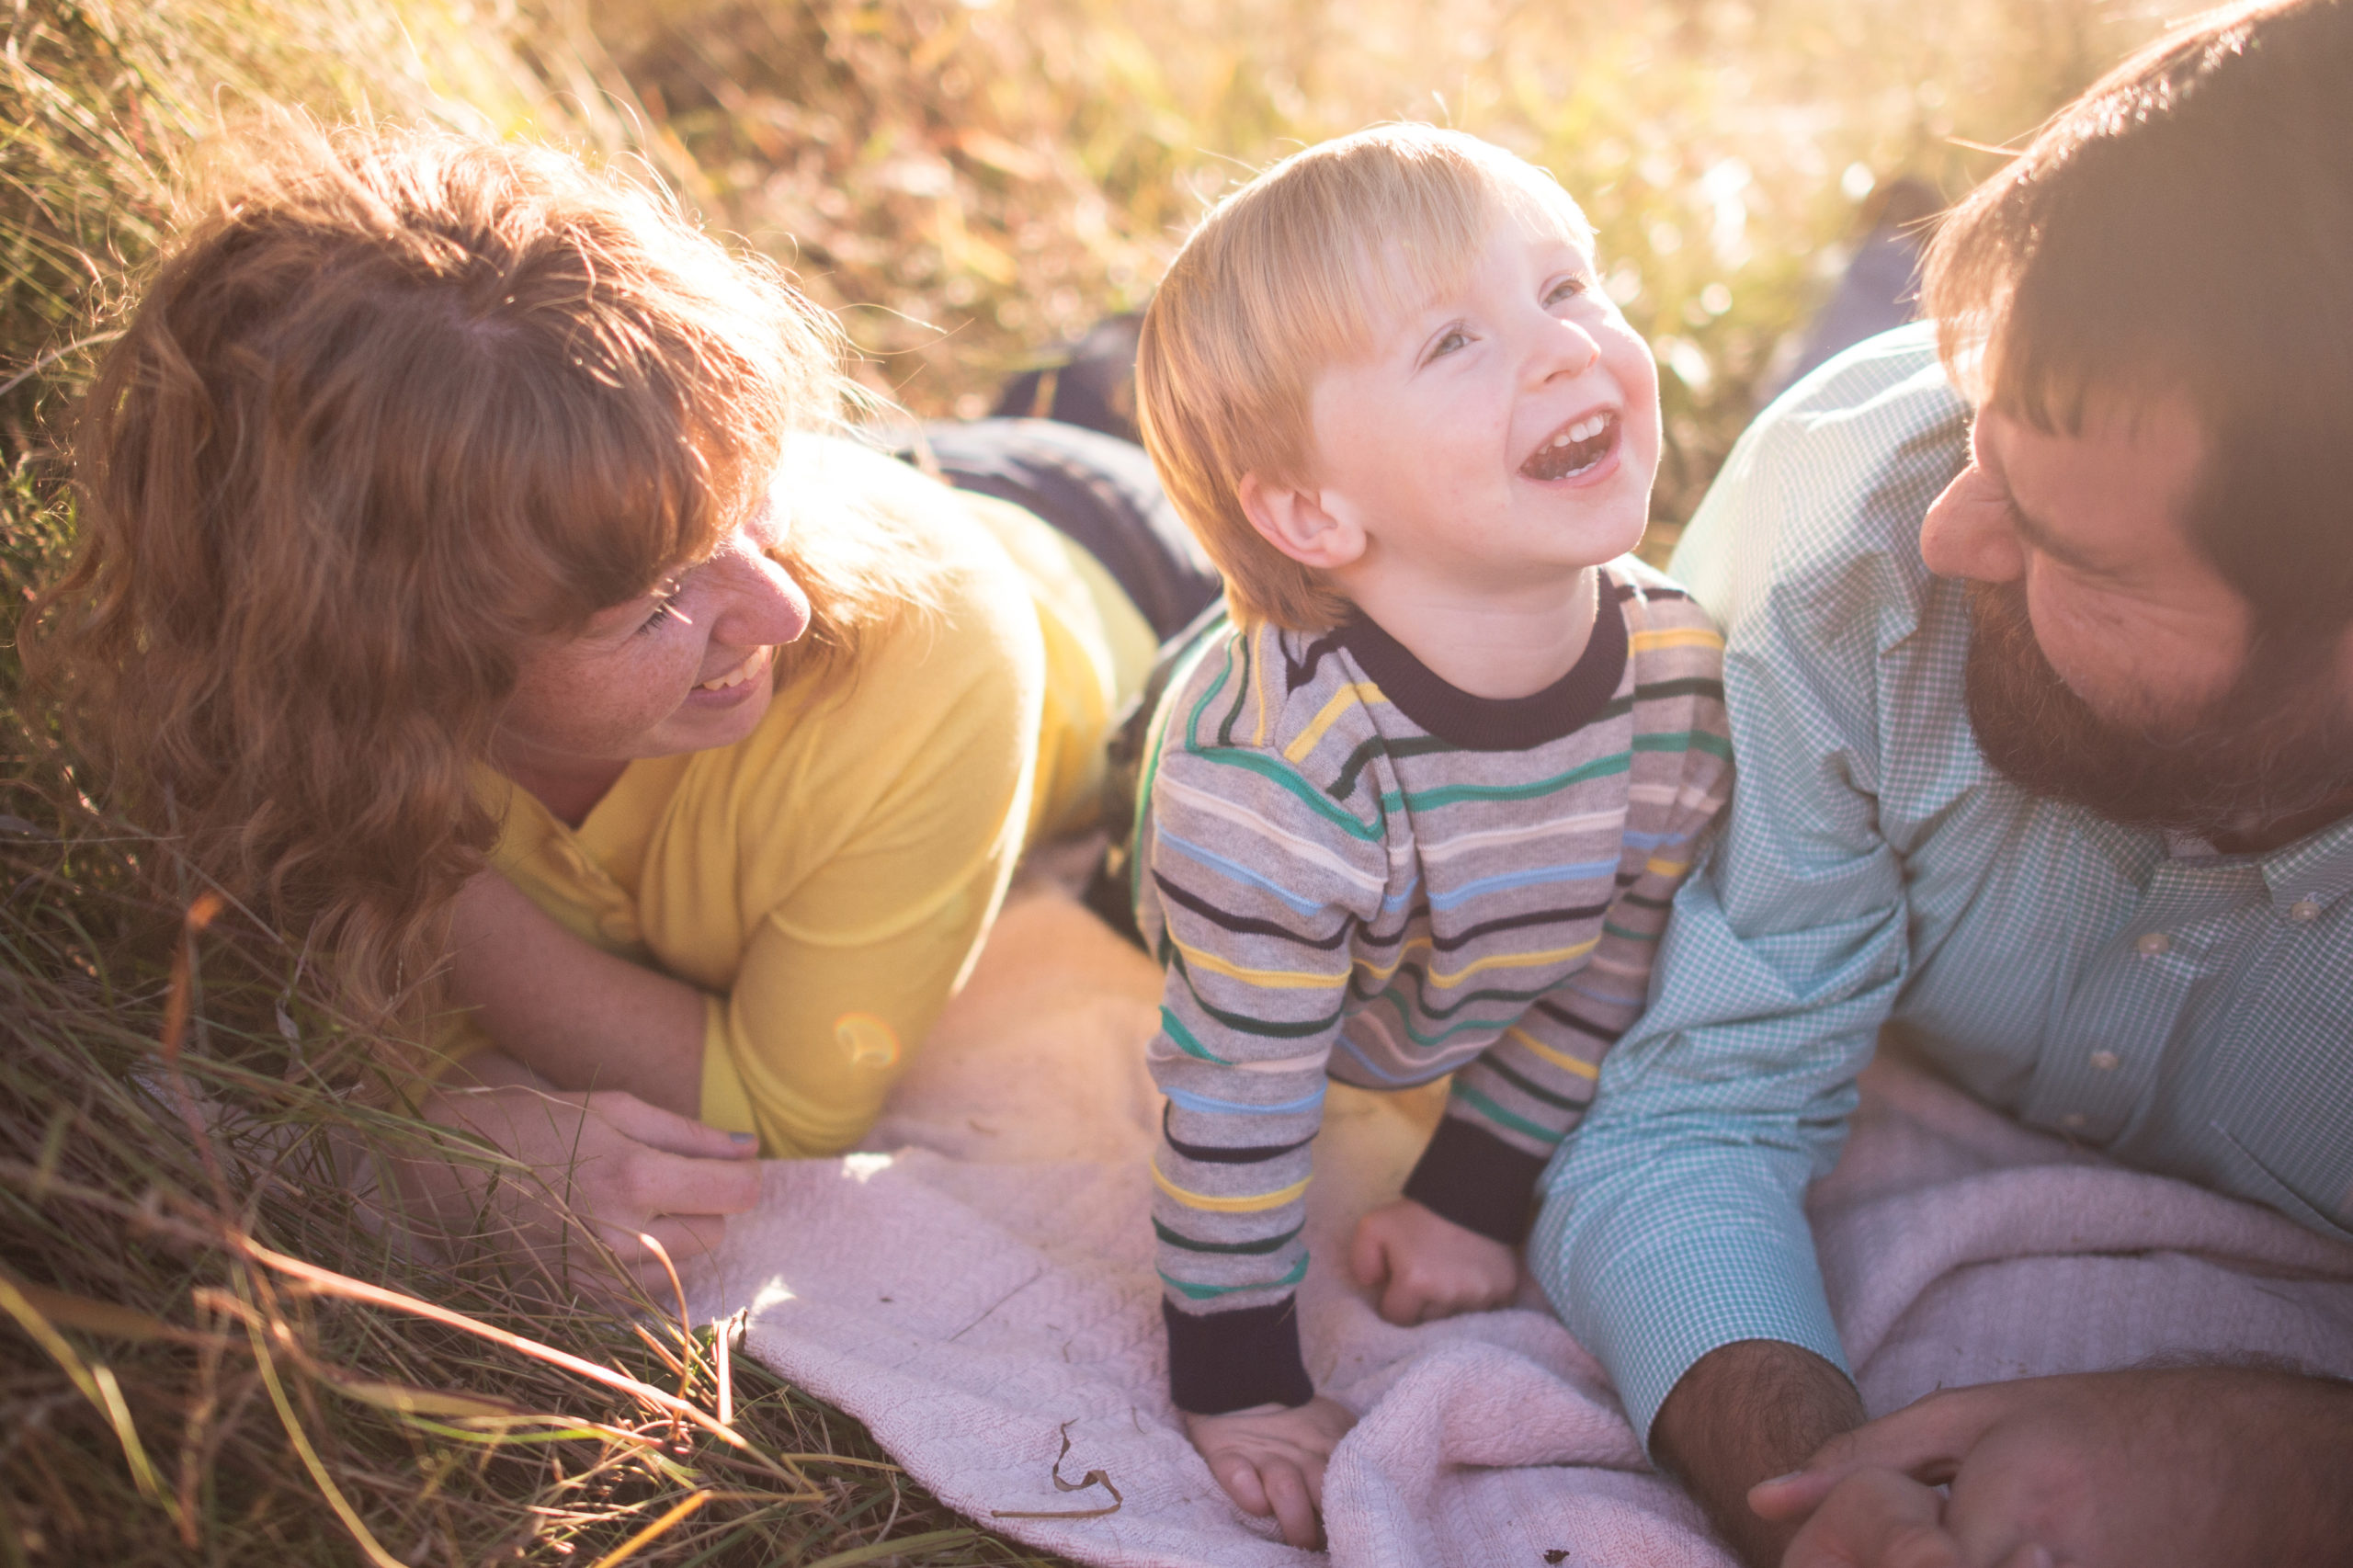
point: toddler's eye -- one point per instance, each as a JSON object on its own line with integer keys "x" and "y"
{"x": 1566, "y": 288}
{"x": 1454, "y": 337}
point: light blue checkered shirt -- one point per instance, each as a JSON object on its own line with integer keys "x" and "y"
{"x": 2187, "y": 1012}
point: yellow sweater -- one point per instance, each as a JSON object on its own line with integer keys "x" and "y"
{"x": 827, "y": 880}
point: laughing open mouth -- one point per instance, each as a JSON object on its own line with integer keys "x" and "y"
{"x": 1573, "y": 448}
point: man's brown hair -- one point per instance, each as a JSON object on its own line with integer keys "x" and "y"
{"x": 2185, "y": 229}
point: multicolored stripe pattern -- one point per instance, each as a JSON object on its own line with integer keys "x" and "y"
{"x": 1351, "y": 869}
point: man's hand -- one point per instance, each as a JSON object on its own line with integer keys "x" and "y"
{"x": 1432, "y": 1267}
{"x": 1743, "y": 1412}
{"x": 1271, "y": 1460}
{"x": 605, "y": 1162}
{"x": 2213, "y": 1467}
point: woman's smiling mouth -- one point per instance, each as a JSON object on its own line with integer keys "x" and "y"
{"x": 1582, "y": 444}
{"x": 754, "y": 663}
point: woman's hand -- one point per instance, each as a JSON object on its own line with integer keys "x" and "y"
{"x": 605, "y": 1161}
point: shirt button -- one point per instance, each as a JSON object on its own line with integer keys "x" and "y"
{"x": 2152, "y": 943}
{"x": 2105, "y": 1061}
{"x": 2072, "y": 1118}
{"x": 2302, "y": 910}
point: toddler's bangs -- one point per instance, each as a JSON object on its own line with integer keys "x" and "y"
{"x": 1377, "y": 225}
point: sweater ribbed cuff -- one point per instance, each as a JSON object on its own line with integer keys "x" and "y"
{"x": 1221, "y": 1361}
{"x": 1475, "y": 1178}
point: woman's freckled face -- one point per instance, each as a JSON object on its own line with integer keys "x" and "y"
{"x": 644, "y": 678}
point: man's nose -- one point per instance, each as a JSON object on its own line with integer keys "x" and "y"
{"x": 1968, "y": 531}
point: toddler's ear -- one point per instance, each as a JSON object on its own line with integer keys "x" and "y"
{"x": 1295, "y": 522}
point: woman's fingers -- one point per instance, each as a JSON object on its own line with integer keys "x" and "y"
{"x": 680, "y": 1237}
{"x": 669, "y": 1131}
{"x": 683, "y": 1236}
{"x": 645, "y": 1183}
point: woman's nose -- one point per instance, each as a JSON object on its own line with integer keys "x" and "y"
{"x": 763, "y": 605}
{"x": 1968, "y": 531}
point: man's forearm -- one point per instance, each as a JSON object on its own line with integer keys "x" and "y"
{"x": 1744, "y": 1413}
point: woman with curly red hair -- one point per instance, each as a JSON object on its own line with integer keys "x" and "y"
{"x": 469, "y": 584}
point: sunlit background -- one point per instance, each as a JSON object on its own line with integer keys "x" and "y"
{"x": 973, "y": 182}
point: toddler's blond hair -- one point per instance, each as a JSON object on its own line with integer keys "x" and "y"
{"x": 1287, "y": 276}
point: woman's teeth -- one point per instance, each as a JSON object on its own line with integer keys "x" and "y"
{"x": 752, "y": 665}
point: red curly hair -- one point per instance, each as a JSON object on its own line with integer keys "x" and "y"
{"x": 392, "y": 405}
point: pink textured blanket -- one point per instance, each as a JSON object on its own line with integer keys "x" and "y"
{"x": 983, "y": 1285}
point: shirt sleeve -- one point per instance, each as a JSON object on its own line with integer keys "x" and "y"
{"x": 1509, "y": 1109}
{"x": 1259, "y": 899}
{"x": 1672, "y": 1222}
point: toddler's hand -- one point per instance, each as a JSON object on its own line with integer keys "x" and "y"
{"x": 1433, "y": 1267}
{"x": 1271, "y": 1458}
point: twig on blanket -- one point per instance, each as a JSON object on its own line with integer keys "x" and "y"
{"x": 994, "y": 1305}
{"x": 1092, "y": 1478}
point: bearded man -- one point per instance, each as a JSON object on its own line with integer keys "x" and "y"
{"x": 2042, "y": 694}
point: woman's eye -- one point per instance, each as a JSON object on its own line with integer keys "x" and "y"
{"x": 665, "y": 608}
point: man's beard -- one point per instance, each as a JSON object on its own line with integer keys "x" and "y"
{"x": 2276, "y": 748}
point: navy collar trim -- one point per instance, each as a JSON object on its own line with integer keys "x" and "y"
{"x": 1492, "y": 723}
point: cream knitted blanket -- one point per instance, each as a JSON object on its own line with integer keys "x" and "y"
{"x": 982, "y": 1286}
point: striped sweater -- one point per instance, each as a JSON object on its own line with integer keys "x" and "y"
{"x": 1351, "y": 868}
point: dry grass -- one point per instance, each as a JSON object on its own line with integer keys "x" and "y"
{"x": 214, "y": 1357}
{"x": 218, "y": 1358}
